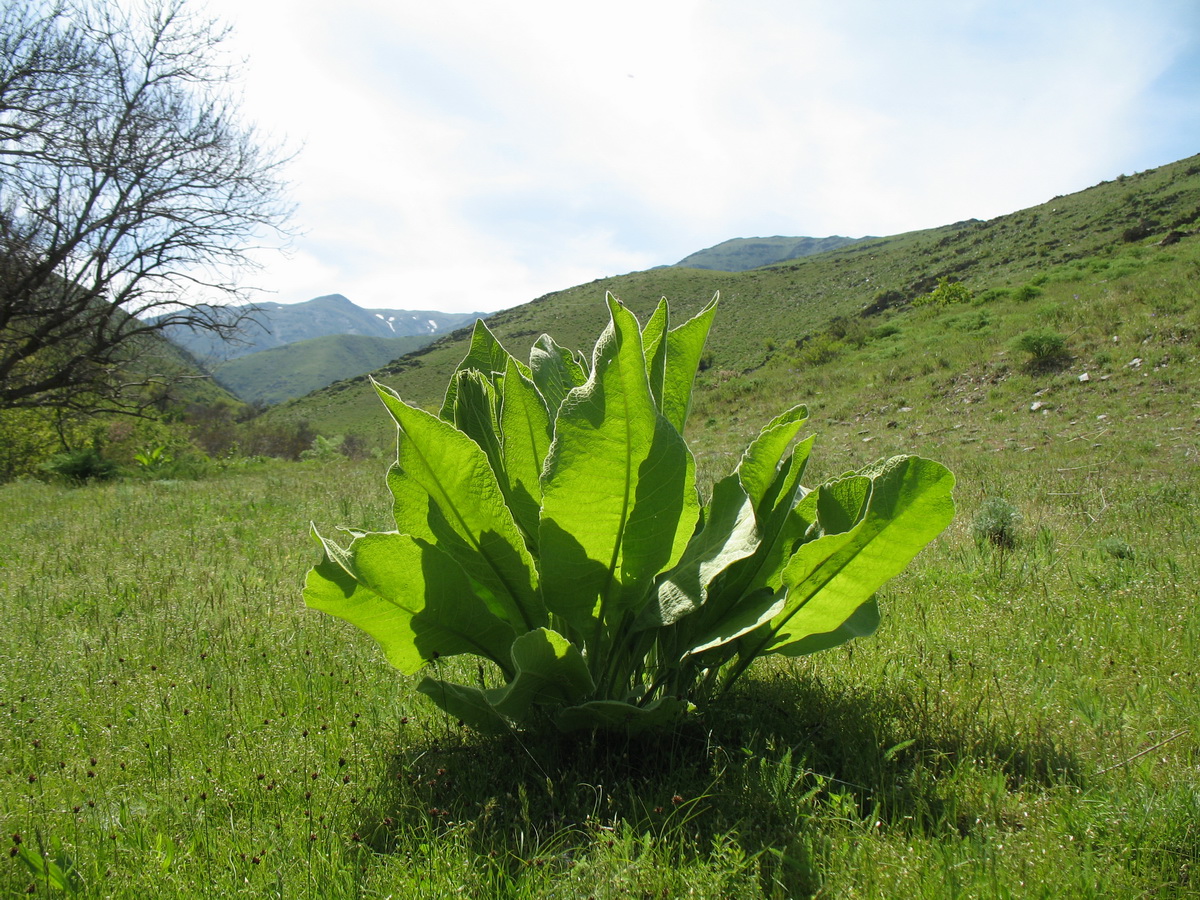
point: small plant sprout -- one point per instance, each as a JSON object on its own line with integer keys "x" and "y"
{"x": 996, "y": 524}
{"x": 548, "y": 521}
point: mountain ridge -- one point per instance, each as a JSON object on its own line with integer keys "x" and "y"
{"x": 273, "y": 324}
{"x": 740, "y": 254}
{"x": 292, "y": 370}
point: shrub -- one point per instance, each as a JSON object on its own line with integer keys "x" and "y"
{"x": 820, "y": 350}
{"x": 1042, "y": 344}
{"x": 995, "y": 524}
{"x": 946, "y": 293}
{"x": 81, "y": 466}
{"x": 886, "y": 330}
{"x": 992, "y": 295}
{"x": 354, "y": 446}
{"x": 548, "y": 521}
{"x": 1117, "y": 548}
{"x": 322, "y": 448}
{"x": 154, "y": 460}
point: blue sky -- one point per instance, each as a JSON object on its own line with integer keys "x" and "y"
{"x": 469, "y": 155}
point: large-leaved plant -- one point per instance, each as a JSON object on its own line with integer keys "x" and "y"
{"x": 548, "y": 521}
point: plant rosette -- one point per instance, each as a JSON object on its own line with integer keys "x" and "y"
{"x": 548, "y": 521}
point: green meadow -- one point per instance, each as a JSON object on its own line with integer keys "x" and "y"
{"x": 1025, "y": 723}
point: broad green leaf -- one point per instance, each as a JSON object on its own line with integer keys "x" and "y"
{"x": 780, "y": 531}
{"x": 729, "y": 534}
{"x": 862, "y": 623}
{"x": 760, "y": 463}
{"x": 555, "y": 371}
{"x": 470, "y": 705}
{"x": 549, "y": 670}
{"x": 620, "y": 716}
{"x": 410, "y": 597}
{"x": 618, "y": 490}
{"x": 525, "y": 427}
{"x": 782, "y": 523}
{"x": 447, "y": 493}
{"x": 474, "y": 414}
{"x": 841, "y": 503}
{"x": 685, "y": 346}
{"x": 831, "y": 577}
{"x": 655, "y": 347}
{"x": 750, "y": 613}
{"x": 485, "y": 355}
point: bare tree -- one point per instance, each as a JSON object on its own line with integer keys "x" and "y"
{"x": 131, "y": 194}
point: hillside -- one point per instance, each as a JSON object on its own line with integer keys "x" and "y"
{"x": 739, "y": 254}
{"x": 1094, "y": 236}
{"x": 293, "y": 370}
{"x": 279, "y": 324}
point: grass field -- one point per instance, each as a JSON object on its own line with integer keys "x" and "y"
{"x": 173, "y": 721}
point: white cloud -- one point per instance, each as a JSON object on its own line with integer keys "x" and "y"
{"x": 469, "y": 155}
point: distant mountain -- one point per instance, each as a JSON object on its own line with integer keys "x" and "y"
{"x": 740, "y": 254}
{"x": 279, "y": 324}
{"x": 282, "y": 373}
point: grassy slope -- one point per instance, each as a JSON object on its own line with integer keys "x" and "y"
{"x": 1024, "y": 723}
{"x": 766, "y": 308}
{"x": 283, "y": 373}
{"x": 188, "y": 384}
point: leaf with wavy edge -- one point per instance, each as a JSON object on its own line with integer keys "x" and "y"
{"x": 548, "y": 669}
{"x": 618, "y": 490}
{"x": 485, "y": 354}
{"x": 525, "y": 427}
{"x": 618, "y": 715}
{"x": 447, "y": 493}
{"x": 556, "y": 371}
{"x": 685, "y": 346}
{"x": 410, "y": 597}
{"x": 729, "y": 534}
{"x": 828, "y": 579}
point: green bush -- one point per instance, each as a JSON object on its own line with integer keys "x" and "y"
{"x": 548, "y": 522}
{"x": 1042, "y": 344}
{"x": 886, "y": 330}
{"x": 946, "y": 293}
{"x": 820, "y": 350}
{"x": 1117, "y": 548}
{"x": 81, "y": 466}
{"x": 996, "y": 523}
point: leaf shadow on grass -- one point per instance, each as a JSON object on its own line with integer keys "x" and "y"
{"x": 775, "y": 765}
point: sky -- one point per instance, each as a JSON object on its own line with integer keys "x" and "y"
{"x": 464, "y": 155}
